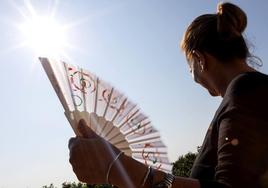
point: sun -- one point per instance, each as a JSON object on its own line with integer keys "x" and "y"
{"x": 44, "y": 35}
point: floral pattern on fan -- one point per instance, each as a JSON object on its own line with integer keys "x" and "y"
{"x": 78, "y": 101}
{"x": 115, "y": 118}
{"x": 151, "y": 156}
{"x": 85, "y": 81}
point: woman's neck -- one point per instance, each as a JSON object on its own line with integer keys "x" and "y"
{"x": 228, "y": 73}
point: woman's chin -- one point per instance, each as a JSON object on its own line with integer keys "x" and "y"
{"x": 213, "y": 93}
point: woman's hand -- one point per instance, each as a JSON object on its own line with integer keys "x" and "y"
{"x": 91, "y": 155}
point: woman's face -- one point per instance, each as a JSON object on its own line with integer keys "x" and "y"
{"x": 201, "y": 77}
{"x": 195, "y": 71}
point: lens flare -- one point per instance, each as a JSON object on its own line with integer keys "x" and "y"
{"x": 44, "y": 35}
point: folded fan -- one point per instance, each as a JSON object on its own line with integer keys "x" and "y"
{"x": 116, "y": 119}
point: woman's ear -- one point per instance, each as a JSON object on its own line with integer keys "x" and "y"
{"x": 200, "y": 59}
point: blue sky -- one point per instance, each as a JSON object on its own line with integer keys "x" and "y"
{"x": 134, "y": 45}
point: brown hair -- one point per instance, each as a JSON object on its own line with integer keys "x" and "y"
{"x": 218, "y": 34}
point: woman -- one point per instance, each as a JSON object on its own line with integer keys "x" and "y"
{"x": 235, "y": 150}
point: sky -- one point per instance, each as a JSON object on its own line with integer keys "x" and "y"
{"x": 134, "y": 45}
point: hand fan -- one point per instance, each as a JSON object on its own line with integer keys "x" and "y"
{"x": 116, "y": 119}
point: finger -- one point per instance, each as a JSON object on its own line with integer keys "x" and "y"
{"x": 71, "y": 142}
{"x": 85, "y": 130}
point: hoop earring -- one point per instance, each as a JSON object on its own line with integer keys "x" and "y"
{"x": 202, "y": 69}
{"x": 202, "y": 66}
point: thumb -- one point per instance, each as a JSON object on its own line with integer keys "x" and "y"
{"x": 85, "y": 130}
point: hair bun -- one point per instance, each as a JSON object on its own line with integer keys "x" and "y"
{"x": 232, "y": 20}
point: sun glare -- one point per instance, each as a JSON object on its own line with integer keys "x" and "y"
{"x": 42, "y": 32}
{"x": 44, "y": 35}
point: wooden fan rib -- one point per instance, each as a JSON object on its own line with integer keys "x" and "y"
{"x": 96, "y": 95}
{"x": 126, "y": 150}
{"x": 103, "y": 128}
{"x": 140, "y": 146}
{"x": 105, "y": 111}
{"x": 141, "y": 140}
{"x": 134, "y": 130}
{"x": 146, "y": 142}
{"x": 119, "y": 127}
{"x": 127, "y": 126}
{"x": 54, "y": 81}
{"x": 107, "y": 134}
{"x": 151, "y": 149}
{"x": 125, "y": 114}
{"x": 83, "y": 94}
{"x": 139, "y": 152}
{"x": 162, "y": 162}
{"x": 108, "y": 103}
{"x": 123, "y": 148}
{"x": 137, "y": 135}
{"x": 115, "y": 136}
{"x": 69, "y": 84}
{"x": 127, "y": 119}
{"x": 118, "y": 111}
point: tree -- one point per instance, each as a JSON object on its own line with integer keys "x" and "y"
{"x": 50, "y": 186}
{"x": 182, "y": 167}
{"x": 73, "y": 185}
